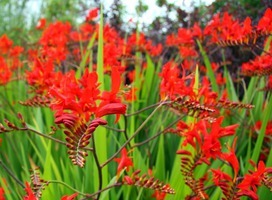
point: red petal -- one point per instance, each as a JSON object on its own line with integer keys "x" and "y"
{"x": 112, "y": 108}
{"x": 71, "y": 197}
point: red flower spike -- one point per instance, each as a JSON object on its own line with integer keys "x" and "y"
{"x": 124, "y": 162}
{"x": 78, "y": 137}
{"x": 127, "y": 180}
{"x": 71, "y": 197}
{"x": 147, "y": 182}
{"x": 30, "y": 194}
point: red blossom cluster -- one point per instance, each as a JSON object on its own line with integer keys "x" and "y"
{"x": 80, "y": 97}
{"x": 260, "y": 66}
{"x": 9, "y": 59}
{"x": 174, "y": 82}
{"x": 205, "y": 138}
{"x": 54, "y": 40}
{"x": 252, "y": 181}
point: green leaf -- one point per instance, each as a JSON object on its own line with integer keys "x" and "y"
{"x": 258, "y": 146}
{"x": 208, "y": 65}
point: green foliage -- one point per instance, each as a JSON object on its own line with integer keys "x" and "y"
{"x": 13, "y": 19}
{"x": 62, "y": 10}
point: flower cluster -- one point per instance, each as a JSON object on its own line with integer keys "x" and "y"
{"x": 9, "y": 59}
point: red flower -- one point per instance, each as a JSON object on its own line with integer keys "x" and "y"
{"x": 42, "y": 76}
{"x": 16, "y": 51}
{"x": 5, "y": 44}
{"x": 205, "y": 138}
{"x": 251, "y": 181}
{"x": 265, "y": 23}
{"x": 5, "y": 73}
{"x": 185, "y": 36}
{"x": 111, "y": 108}
{"x": 259, "y": 66}
{"x": 76, "y": 96}
{"x": 268, "y": 130}
{"x": 30, "y": 195}
{"x": 249, "y": 193}
{"x": 112, "y": 96}
{"x": 92, "y": 14}
{"x": 54, "y": 41}
{"x": 71, "y": 197}
{"x": 212, "y": 146}
{"x": 111, "y": 103}
{"x": 219, "y": 177}
{"x": 41, "y": 24}
{"x": 155, "y": 50}
{"x": 159, "y": 195}
{"x": 220, "y": 80}
{"x": 197, "y": 31}
{"x": 171, "y": 40}
{"x": 124, "y": 162}
{"x": 172, "y": 84}
{"x": 130, "y": 95}
{"x": 248, "y": 187}
{"x": 89, "y": 91}
{"x": 2, "y": 194}
{"x": 232, "y": 159}
{"x": 247, "y": 28}
{"x": 187, "y": 51}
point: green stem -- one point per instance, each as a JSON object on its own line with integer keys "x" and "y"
{"x": 102, "y": 190}
{"x": 99, "y": 168}
{"x": 44, "y": 135}
{"x": 158, "y": 134}
{"x": 125, "y": 133}
{"x": 11, "y": 174}
{"x": 148, "y": 107}
{"x": 68, "y": 186}
{"x": 51, "y": 138}
{"x": 114, "y": 129}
